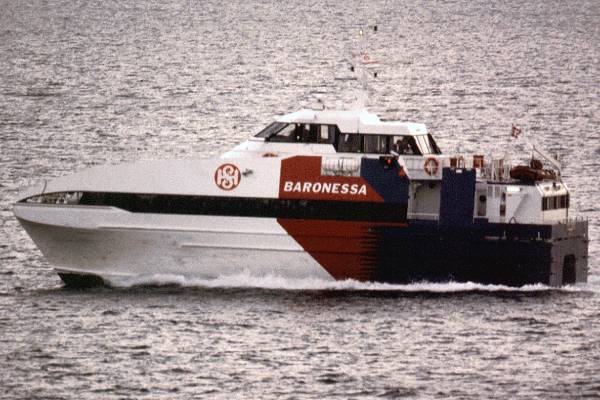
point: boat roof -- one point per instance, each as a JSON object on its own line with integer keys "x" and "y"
{"x": 359, "y": 121}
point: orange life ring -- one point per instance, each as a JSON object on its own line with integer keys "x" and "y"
{"x": 431, "y": 166}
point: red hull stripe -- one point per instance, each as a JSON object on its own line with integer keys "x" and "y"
{"x": 346, "y": 249}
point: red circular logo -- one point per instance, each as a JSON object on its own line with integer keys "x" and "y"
{"x": 228, "y": 176}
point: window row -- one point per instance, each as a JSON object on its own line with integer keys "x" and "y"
{"x": 349, "y": 142}
{"x": 248, "y": 207}
{"x": 555, "y": 202}
{"x": 299, "y": 133}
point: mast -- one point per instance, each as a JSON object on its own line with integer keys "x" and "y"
{"x": 364, "y": 65}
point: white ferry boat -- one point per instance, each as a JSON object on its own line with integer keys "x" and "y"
{"x": 328, "y": 194}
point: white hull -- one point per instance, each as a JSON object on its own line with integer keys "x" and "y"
{"x": 113, "y": 243}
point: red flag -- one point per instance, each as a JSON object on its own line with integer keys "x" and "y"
{"x": 515, "y": 131}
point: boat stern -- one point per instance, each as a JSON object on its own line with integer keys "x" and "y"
{"x": 569, "y": 253}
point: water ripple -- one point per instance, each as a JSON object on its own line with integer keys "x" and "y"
{"x": 85, "y": 83}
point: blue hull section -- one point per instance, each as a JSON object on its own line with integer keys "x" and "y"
{"x": 501, "y": 254}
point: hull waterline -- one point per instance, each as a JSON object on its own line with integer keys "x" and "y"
{"x": 124, "y": 248}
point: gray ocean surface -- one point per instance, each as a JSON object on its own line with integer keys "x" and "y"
{"x": 86, "y": 83}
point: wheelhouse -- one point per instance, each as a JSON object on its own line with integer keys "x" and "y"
{"x": 372, "y": 143}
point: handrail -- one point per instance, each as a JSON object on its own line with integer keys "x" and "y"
{"x": 428, "y": 216}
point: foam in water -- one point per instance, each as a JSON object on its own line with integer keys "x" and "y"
{"x": 246, "y": 280}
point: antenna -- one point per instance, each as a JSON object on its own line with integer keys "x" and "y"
{"x": 364, "y": 65}
{"x": 555, "y": 163}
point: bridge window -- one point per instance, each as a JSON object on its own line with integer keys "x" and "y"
{"x": 427, "y": 145}
{"x": 433, "y": 145}
{"x": 375, "y": 144}
{"x": 423, "y": 144}
{"x": 350, "y": 143}
{"x": 310, "y": 133}
{"x": 405, "y": 145}
{"x": 328, "y": 133}
{"x": 290, "y": 133}
{"x": 302, "y": 133}
{"x": 271, "y": 130}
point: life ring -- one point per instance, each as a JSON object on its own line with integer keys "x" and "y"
{"x": 431, "y": 166}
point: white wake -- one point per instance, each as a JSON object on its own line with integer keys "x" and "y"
{"x": 246, "y": 280}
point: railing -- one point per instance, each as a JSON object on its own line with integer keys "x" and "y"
{"x": 344, "y": 166}
{"x": 426, "y": 216}
{"x": 572, "y": 221}
{"x": 417, "y": 165}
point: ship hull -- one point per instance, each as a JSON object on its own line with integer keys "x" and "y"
{"x": 105, "y": 245}
{"x": 122, "y": 247}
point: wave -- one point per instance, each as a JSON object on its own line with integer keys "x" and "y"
{"x": 270, "y": 282}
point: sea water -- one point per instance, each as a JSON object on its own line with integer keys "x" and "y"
{"x": 83, "y": 84}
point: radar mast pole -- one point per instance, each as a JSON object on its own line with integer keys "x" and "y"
{"x": 363, "y": 61}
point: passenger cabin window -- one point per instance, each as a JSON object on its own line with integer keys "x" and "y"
{"x": 289, "y": 133}
{"x": 427, "y": 144}
{"x": 310, "y": 132}
{"x": 271, "y": 130}
{"x": 433, "y": 144}
{"x": 357, "y": 143}
{"x": 555, "y": 202}
{"x": 328, "y": 133}
{"x": 405, "y": 145}
{"x": 299, "y": 133}
{"x": 415, "y": 145}
{"x": 350, "y": 143}
{"x": 375, "y": 144}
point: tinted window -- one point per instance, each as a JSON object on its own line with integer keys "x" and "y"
{"x": 249, "y": 207}
{"x": 271, "y": 130}
{"x": 375, "y": 144}
{"x": 305, "y": 133}
{"x": 311, "y": 133}
{"x": 555, "y": 202}
{"x": 423, "y": 144}
{"x": 433, "y": 145}
{"x": 288, "y": 134}
{"x": 405, "y": 145}
{"x": 350, "y": 143}
{"x": 327, "y": 134}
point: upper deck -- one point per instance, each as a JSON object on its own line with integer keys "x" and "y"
{"x": 360, "y": 121}
{"x": 328, "y": 132}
